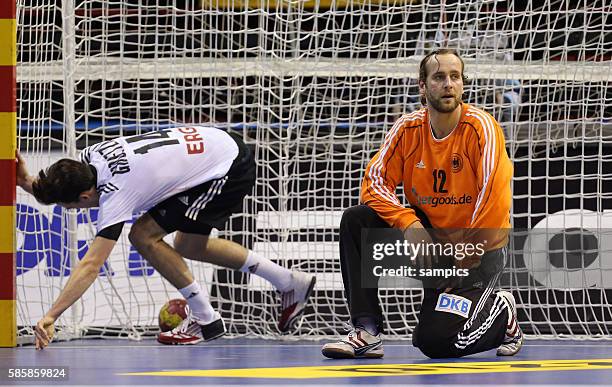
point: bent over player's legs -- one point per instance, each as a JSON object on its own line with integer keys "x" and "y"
{"x": 226, "y": 253}
{"x": 203, "y": 322}
{"x": 147, "y": 237}
{"x": 295, "y": 287}
{"x": 217, "y": 251}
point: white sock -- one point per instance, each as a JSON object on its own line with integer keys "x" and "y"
{"x": 197, "y": 299}
{"x": 263, "y": 267}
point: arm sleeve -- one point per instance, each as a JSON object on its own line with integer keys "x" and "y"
{"x": 111, "y": 232}
{"x": 494, "y": 174}
{"x": 382, "y": 175}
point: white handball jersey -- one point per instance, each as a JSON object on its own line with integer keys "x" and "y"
{"x": 137, "y": 172}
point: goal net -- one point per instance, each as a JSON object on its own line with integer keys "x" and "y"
{"x": 313, "y": 86}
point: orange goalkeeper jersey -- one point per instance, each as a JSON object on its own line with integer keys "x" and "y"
{"x": 461, "y": 181}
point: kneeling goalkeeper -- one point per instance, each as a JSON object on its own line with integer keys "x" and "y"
{"x": 452, "y": 161}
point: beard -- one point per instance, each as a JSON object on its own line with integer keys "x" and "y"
{"x": 439, "y": 105}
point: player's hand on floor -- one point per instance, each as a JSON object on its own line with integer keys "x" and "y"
{"x": 44, "y": 332}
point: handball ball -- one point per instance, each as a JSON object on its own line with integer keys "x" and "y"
{"x": 172, "y": 313}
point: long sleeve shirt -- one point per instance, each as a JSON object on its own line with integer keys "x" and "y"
{"x": 461, "y": 181}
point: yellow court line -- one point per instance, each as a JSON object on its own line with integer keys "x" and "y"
{"x": 369, "y": 370}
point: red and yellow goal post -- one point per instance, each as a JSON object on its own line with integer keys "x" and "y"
{"x": 8, "y": 129}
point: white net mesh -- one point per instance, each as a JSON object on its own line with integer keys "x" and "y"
{"x": 313, "y": 86}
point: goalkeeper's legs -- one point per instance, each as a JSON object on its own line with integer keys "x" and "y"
{"x": 363, "y": 302}
{"x": 364, "y": 307}
{"x": 442, "y": 333}
{"x": 468, "y": 320}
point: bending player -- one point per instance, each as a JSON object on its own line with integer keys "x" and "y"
{"x": 446, "y": 150}
{"x": 189, "y": 180}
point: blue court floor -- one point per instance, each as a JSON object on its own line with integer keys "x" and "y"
{"x": 261, "y": 362}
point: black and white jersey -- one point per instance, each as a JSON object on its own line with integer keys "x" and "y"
{"x": 137, "y": 172}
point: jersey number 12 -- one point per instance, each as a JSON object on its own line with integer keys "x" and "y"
{"x": 441, "y": 175}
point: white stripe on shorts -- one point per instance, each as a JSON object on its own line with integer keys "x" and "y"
{"x": 200, "y": 203}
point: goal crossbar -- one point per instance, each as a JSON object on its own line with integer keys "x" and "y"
{"x": 114, "y": 69}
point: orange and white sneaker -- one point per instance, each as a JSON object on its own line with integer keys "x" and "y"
{"x": 192, "y": 331}
{"x": 513, "y": 340}
{"x": 293, "y": 301}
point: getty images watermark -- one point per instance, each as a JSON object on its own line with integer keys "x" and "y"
{"x": 428, "y": 250}
{"x": 447, "y": 258}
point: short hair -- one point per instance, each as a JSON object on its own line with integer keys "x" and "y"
{"x": 63, "y": 182}
{"x": 441, "y": 51}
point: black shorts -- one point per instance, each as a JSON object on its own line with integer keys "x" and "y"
{"x": 206, "y": 206}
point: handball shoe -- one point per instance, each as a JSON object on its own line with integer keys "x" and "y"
{"x": 295, "y": 299}
{"x": 193, "y": 331}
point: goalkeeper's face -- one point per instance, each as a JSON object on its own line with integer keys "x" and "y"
{"x": 443, "y": 87}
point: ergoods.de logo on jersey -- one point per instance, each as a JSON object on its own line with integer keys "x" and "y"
{"x": 456, "y": 162}
{"x": 435, "y": 201}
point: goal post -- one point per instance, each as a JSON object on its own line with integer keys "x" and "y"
{"x": 312, "y": 87}
{"x": 8, "y": 122}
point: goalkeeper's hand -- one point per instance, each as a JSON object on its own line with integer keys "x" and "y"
{"x": 44, "y": 332}
{"x": 418, "y": 235}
